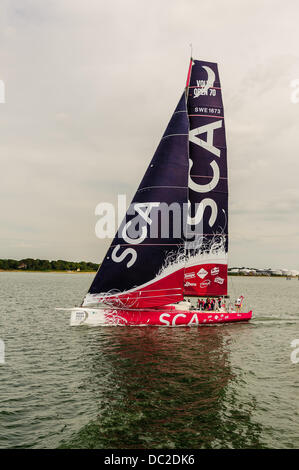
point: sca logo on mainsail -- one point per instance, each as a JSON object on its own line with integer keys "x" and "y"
{"x": 194, "y": 134}
{"x": 143, "y": 210}
{"x": 208, "y": 144}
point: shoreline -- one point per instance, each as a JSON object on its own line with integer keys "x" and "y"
{"x": 94, "y": 272}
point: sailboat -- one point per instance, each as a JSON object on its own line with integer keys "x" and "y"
{"x": 173, "y": 241}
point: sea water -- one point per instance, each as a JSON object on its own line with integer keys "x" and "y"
{"x": 221, "y": 386}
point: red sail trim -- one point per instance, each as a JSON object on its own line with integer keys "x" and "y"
{"x": 206, "y": 115}
{"x": 154, "y": 294}
{"x": 201, "y": 86}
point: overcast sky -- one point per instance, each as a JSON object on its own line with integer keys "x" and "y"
{"x": 90, "y": 86}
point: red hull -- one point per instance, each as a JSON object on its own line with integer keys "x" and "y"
{"x": 179, "y": 318}
{"x": 167, "y": 316}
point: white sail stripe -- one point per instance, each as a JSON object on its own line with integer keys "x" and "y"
{"x": 189, "y": 232}
{"x": 140, "y": 295}
{"x": 215, "y": 260}
{"x": 202, "y": 86}
{"x": 169, "y": 187}
{"x": 158, "y": 297}
{"x": 150, "y": 290}
{"x": 204, "y": 176}
{"x": 207, "y": 115}
{"x": 166, "y": 288}
{"x": 172, "y": 135}
{"x": 148, "y": 244}
{"x": 107, "y": 298}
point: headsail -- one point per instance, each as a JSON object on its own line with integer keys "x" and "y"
{"x": 206, "y": 265}
{"x": 143, "y": 266}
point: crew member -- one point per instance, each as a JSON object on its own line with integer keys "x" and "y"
{"x": 238, "y": 304}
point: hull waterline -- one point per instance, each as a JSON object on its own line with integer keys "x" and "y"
{"x": 162, "y": 317}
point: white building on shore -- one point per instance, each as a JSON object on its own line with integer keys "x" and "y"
{"x": 264, "y": 272}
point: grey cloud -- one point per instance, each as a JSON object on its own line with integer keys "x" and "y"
{"x": 90, "y": 88}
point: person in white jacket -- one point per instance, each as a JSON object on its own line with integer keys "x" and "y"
{"x": 238, "y": 303}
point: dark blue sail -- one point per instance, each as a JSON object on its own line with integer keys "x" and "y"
{"x": 206, "y": 265}
{"x": 144, "y": 266}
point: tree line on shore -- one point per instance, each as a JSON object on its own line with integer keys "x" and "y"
{"x": 30, "y": 264}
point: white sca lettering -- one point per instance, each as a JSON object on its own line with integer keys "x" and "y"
{"x": 123, "y": 255}
{"x": 209, "y": 130}
{"x": 163, "y": 320}
{"x": 166, "y": 321}
{"x": 182, "y": 315}
{"x": 207, "y": 202}
{"x": 144, "y": 214}
{"x": 204, "y": 188}
{"x": 194, "y": 320}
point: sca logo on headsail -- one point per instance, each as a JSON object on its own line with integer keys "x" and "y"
{"x": 208, "y": 144}
{"x": 194, "y": 134}
{"x": 143, "y": 210}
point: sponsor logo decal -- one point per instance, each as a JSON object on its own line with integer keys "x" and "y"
{"x": 219, "y": 280}
{"x": 202, "y": 273}
{"x": 205, "y": 283}
{"x": 188, "y": 284}
{"x": 214, "y": 271}
{"x": 189, "y": 275}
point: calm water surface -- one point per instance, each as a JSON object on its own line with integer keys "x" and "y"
{"x": 228, "y": 386}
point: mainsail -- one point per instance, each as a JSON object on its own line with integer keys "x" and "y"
{"x": 150, "y": 263}
{"x": 206, "y": 256}
{"x": 144, "y": 266}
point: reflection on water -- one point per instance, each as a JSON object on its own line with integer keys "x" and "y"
{"x": 168, "y": 389}
{"x": 230, "y": 386}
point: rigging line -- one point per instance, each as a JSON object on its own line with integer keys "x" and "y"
{"x": 172, "y": 135}
{"x": 188, "y": 154}
{"x": 188, "y": 78}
